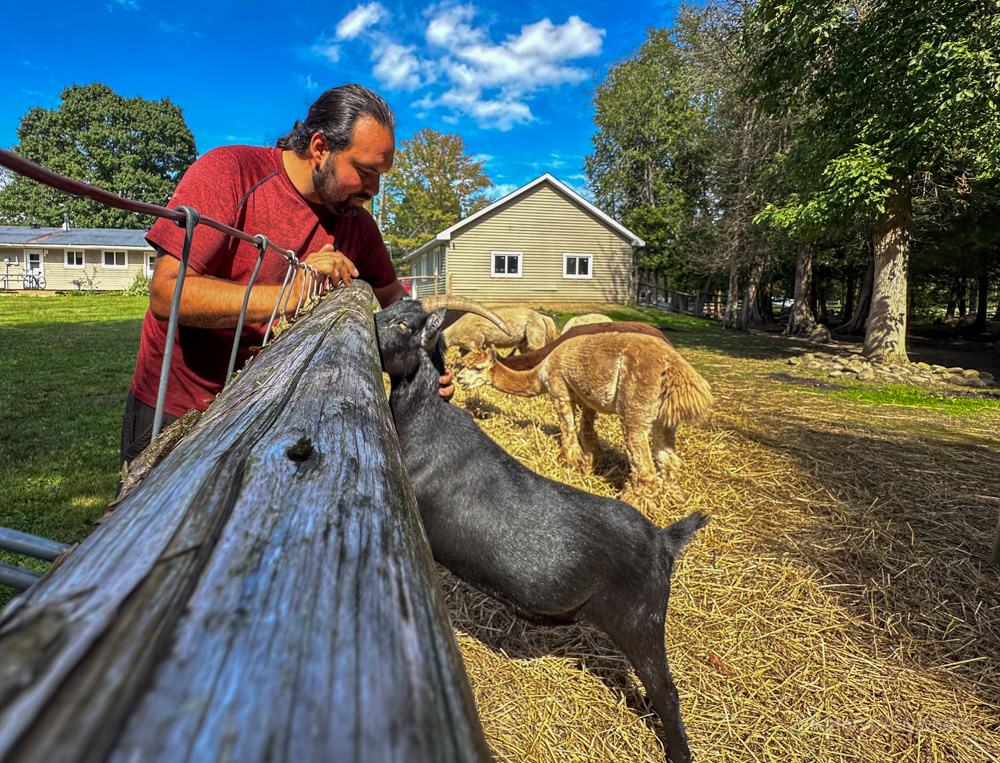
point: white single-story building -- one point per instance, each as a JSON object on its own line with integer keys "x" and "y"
{"x": 541, "y": 244}
{"x": 67, "y": 259}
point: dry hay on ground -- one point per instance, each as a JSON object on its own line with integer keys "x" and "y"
{"x": 839, "y": 607}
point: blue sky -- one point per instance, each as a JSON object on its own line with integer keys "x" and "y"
{"x": 513, "y": 78}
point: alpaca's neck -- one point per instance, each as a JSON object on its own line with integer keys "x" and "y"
{"x": 524, "y": 383}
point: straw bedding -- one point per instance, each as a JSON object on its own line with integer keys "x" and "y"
{"x": 839, "y": 607}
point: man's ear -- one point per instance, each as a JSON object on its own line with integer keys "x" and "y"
{"x": 318, "y": 147}
{"x": 431, "y": 328}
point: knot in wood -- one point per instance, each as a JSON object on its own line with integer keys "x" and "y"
{"x": 301, "y": 450}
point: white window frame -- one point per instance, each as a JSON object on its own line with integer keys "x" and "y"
{"x": 150, "y": 263}
{"x": 74, "y": 266}
{"x": 520, "y": 265}
{"x": 104, "y": 259}
{"x": 590, "y": 266}
{"x": 34, "y": 267}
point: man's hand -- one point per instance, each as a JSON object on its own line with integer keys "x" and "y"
{"x": 333, "y": 264}
{"x": 447, "y": 388}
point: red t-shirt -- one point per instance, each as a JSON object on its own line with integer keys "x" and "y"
{"x": 246, "y": 188}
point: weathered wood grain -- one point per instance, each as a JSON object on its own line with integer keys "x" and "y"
{"x": 266, "y": 593}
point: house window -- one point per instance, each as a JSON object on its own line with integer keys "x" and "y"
{"x": 74, "y": 258}
{"x": 506, "y": 264}
{"x": 150, "y": 264}
{"x": 578, "y": 265}
{"x": 115, "y": 260}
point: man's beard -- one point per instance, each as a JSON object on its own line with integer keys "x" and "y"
{"x": 325, "y": 184}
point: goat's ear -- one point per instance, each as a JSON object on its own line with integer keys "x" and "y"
{"x": 493, "y": 353}
{"x": 431, "y": 328}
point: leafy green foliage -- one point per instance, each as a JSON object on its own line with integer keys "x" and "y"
{"x": 884, "y": 90}
{"x": 647, "y": 168}
{"x": 139, "y": 286}
{"x": 433, "y": 184}
{"x": 131, "y": 147}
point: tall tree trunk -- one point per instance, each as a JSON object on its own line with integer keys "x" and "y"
{"x": 961, "y": 297}
{"x": 801, "y": 320}
{"x": 750, "y": 315}
{"x": 953, "y": 299}
{"x": 847, "y": 309}
{"x": 765, "y": 306}
{"x": 699, "y": 307}
{"x": 982, "y": 303}
{"x": 859, "y": 318}
{"x": 885, "y": 337}
{"x": 730, "y": 319}
{"x": 822, "y": 287}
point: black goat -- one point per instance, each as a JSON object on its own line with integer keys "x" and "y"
{"x": 550, "y": 552}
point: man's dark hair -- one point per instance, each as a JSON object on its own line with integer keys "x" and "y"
{"x": 334, "y": 114}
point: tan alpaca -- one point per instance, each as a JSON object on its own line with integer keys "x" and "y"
{"x": 639, "y": 377}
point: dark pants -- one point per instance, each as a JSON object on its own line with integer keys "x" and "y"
{"x": 137, "y": 427}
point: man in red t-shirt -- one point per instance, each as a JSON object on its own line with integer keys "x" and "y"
{"x": 305, "y": 195}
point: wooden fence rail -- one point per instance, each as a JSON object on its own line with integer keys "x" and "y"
{"x": 267, "y": 593}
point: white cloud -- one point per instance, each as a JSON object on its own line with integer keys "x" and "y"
{"x": 500, "y": 190}
{"x": 450, "y": 26}
{"x": 358, "y": 20}
{"x": 326, "y": 49}
{"x": 463, "y": 72}
{"x": 129, "y": 5}
{"x": 397, "y": 67}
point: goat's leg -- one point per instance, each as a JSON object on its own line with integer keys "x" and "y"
{"x": 567, "y": 424}
{"x": 589, "y": 443}
{"x": 640, "y": 635}
{"x": 664, "y": 453}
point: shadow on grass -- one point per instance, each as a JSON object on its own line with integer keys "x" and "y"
{"x": 507, "y": 635}
{"x": 909, "y": 540}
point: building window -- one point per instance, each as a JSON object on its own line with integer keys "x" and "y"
{"x": 74, "y": 258}
{"x": 115, "y": 260}
{"x": 578, "y": 265}
{"x": 33, "y": 262}
{"x": 506, "y": 264}
{"x": 150, "y": 264}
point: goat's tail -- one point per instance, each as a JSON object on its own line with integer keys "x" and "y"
{"x": 685, "y": 396}
{"x": 676, "y": 536}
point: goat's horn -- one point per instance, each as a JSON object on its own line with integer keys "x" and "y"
{"x": 462, "y": 304}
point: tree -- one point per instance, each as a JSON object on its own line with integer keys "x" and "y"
{"x": 433, "y": 184}
{"x": 885, "y": 91}
{"x": 647, "y": 166}
{"x": 132, "y": 147}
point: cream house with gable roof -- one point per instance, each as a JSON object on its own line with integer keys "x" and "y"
{"x": 542, "y": 244}
{"x": 68, "y": 259}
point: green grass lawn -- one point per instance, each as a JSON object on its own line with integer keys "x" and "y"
{"x": 65, "y": 367}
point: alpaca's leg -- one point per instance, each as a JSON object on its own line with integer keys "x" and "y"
{"x": 589, "y": 443}
{"x": 567, "y": 424}
{"x": 664, "y": 452}
{"x": 639, "y": 456}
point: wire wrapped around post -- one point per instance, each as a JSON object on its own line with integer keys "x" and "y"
{"x": 277, "y": 304}
{"x": 191, "y": 218}
{"x": 261, "y": 243}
